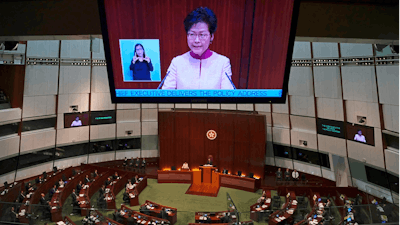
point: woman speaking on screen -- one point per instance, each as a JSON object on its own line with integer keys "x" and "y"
{"x": 200, "y": 68}
{"x": 140, "y": 65}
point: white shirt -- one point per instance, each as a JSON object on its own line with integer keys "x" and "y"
{"x": 185, "y": 166}
{"x": 295, "y": 174}
{"x": 186, "y": 72}
{"x": 76, "y": 123}
{"x": 360, "y": 138}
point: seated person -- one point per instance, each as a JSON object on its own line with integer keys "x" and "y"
{"x": 224, "y": 171}
{"x": 125, "y": 196}
{"x": 115, "y": 176}
{"x": 21, "y": 197}
{"x": 64, "y": 178}
{"x": 79, "y": 187}
{"x": 119, "y": 216}
{"x": 225, "y": 218}
{"x": 101, "y": 202}
{"x": 108, "y": 182}
{"x": 209, "y": 161}
{"x": 52, "y": 191}
{"x": 131, "y": 221}
{"x": 144, "y": 210}
{"x": 13, "y": 215}
{"x": 74, "y": 196}
{"x": 75, "y": 203}
{"x": 163, "y": 214}
{"x": 73, "y": 172}
{"x": 102, "y": 190}
{"x": 137, "y": 162}
{"x": 136, "y": 179}
{"x": 87, "y": 180}
{"x": 29, "y": 188}
{"x": 39, "y": 180}
{"x": 95, "y": 174}
{"x": 61, "y": 183}
{"x": 129, "y": 185}
{"x": 279, "y": 175}
{"x": 185, "y": 166}
{"x": 45, "y": 204}
{"x": 261, "y": 199}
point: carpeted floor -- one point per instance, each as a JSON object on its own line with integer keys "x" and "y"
{"x": 174, "y": 195}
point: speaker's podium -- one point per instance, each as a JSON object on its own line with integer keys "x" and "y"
{"x": 205, "y": 182}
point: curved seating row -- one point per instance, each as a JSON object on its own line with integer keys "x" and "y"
{"x": 141, "y": 218}
{"x": 215, "y": 217}
{"x": 287, "y": 210}
{"x": 155, "y": 210}
{"x": 260, "y": 207}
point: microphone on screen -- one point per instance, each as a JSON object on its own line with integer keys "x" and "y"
{"x": 162, "y": 82}
{"x": 230, "y": 81}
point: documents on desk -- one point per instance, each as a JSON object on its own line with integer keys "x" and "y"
{"x": 54, "y": 207}
{"x": 109, "y": 198}
{"x": 60, "y": 223}
{"x": 294, "y": 202}
{"x": 264, "y": 206}
{"x": 269, "y": 201}
{"x": 81, "y": 195}
{"x": 107, "y": 190}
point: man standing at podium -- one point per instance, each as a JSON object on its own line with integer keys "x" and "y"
{"x": 209, "y": 160}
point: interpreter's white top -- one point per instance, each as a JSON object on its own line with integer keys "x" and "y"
{"x": 76, "y": 123}
{"x": 185, "y": 166}
{"x": 208, "y": 73}
{"x": 361, "y": 138}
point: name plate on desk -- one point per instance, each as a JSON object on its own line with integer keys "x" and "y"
{"x": 238, "y": 182}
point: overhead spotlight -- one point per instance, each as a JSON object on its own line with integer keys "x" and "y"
{"x": 305, "y": 143}
{"x": 394, "y": 49}
{"x": 9, "y": 45}
{"x": 74, "y": 108}
{"x": 362, "y": 119}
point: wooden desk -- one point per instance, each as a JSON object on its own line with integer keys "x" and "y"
{"x": 264, "y": 205}
{"x": 206, "y": 173}
{"x": 136, "y": 215}
{"x": 241, "y": 183}
{"x": 215, "y": 218}
{"x": 156, "y": 209}
{"x": 68, "y": 221}
{"x": 174, "y": 176}
{"x": 58, "y": 199}
{"x": 284, "y": 214}
{"x": 114, "y": 189}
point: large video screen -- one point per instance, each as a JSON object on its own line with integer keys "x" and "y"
{"x": 102, "y": 117}
{"x": 191, "y": 51}
{"x": 76, "y": 119}
{"x": 359, "y": 133}
{"x": 330, "y": 127}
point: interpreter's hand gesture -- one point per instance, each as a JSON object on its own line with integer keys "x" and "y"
{"x": 134, "y": 59}
{"x": 147, "y": 59}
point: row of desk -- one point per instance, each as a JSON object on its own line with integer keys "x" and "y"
{"x": 141, "y": 218}
{"x": 260, "y": 207}
{"x": 225, "y": 180}
{"x": 286, "y": 211}
{"x": 214, "y": 217}
{"x": 155, "y": 209}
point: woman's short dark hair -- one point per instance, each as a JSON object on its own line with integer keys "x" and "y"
{"x": 144, "y": 53}
{"x": 201, "y": 14}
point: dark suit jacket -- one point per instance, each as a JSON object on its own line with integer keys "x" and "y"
{"x": 115, "y": 177}
{"x": 78, "y": 188}
{"x": 21, "y": 198}
{"x": 39, "y": 181}
{"x": 95, "y": 175}
{"x": 163, "y": 215}
{"x": 43, "y": 201}
{"x": 107, "y": 183}
{"x": 51, "y": 192}
{"x": 101, "y": 192}
{"x": 74, "y": 197}
{"x": 125, "y": 197}
{"x": 87, "y": 180}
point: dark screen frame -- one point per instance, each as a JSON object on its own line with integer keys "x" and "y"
{"x": 115, "y": 99}
{"x": 368, "y": 135}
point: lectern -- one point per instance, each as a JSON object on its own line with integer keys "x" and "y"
{"x": 206, "y": 172}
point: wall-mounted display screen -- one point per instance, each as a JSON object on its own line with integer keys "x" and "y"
{"x": 362, "y": 134}
{"x": 330, "y": 127}
{"x": 76, "y": 119}
{"x": 198, "y": 51}
{"x": 102, "y": 117}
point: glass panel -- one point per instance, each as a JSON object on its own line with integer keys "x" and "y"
{"x": 71, "y": 151}
{"x": 38, "y": 124}
{"x": 102, "y": 146}
{"x": 324, "y": 159}
{"x": 306, "y": 156}
{"x": 35, "y": 158}
{"x": 8, "y": 129}
{"x": 283, "y": 151}
{"x": 8, "y": 165}
{"x": 133, "y": 143}
{"x": 377, "y": 177}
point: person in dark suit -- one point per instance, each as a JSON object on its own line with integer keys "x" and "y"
{"x": 29, "y": 188}
{"x": 102, "y": 190}
{"x": 163, "y": 214}
{"x": 101, "y": 202}
{"x": 13, "y": 215}
{"x": 143, "y": 163}
{"x": 39, "y": 180}
{"x": 125, "y": 163}
{"x": 144, "y": 210}
{"x": 79, "y": 187}
{"x": 21, "y": 197}
{"x": 43, "y": 200}
{"x": 208, "y": 219}
{"x": 287, "y": 175}
{"x": 108, "y": 182}
{"x": 87, "y": 179}
{"x": 115, "y": 176}
{"x": 137, "y": 163}
{"x": 95, "y": 174}
{"x": 52, "y": 191}
{"x": 225, "y": 218}
{"x": 64, "y": 178}
{"x": 44, "y": 175}
{"x": 131, "y": 221}
{"x": 75, "y": 203}
{"x": 73, "y": 172}
{"x": 125, "y": 196}
{"x": 210, "y": 160}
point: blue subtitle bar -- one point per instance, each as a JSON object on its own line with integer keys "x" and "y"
{"x": 238, "y": 93}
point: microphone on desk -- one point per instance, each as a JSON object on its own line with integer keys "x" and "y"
{"x": 162, "y": 82}
{"x": 230, "y": 81}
